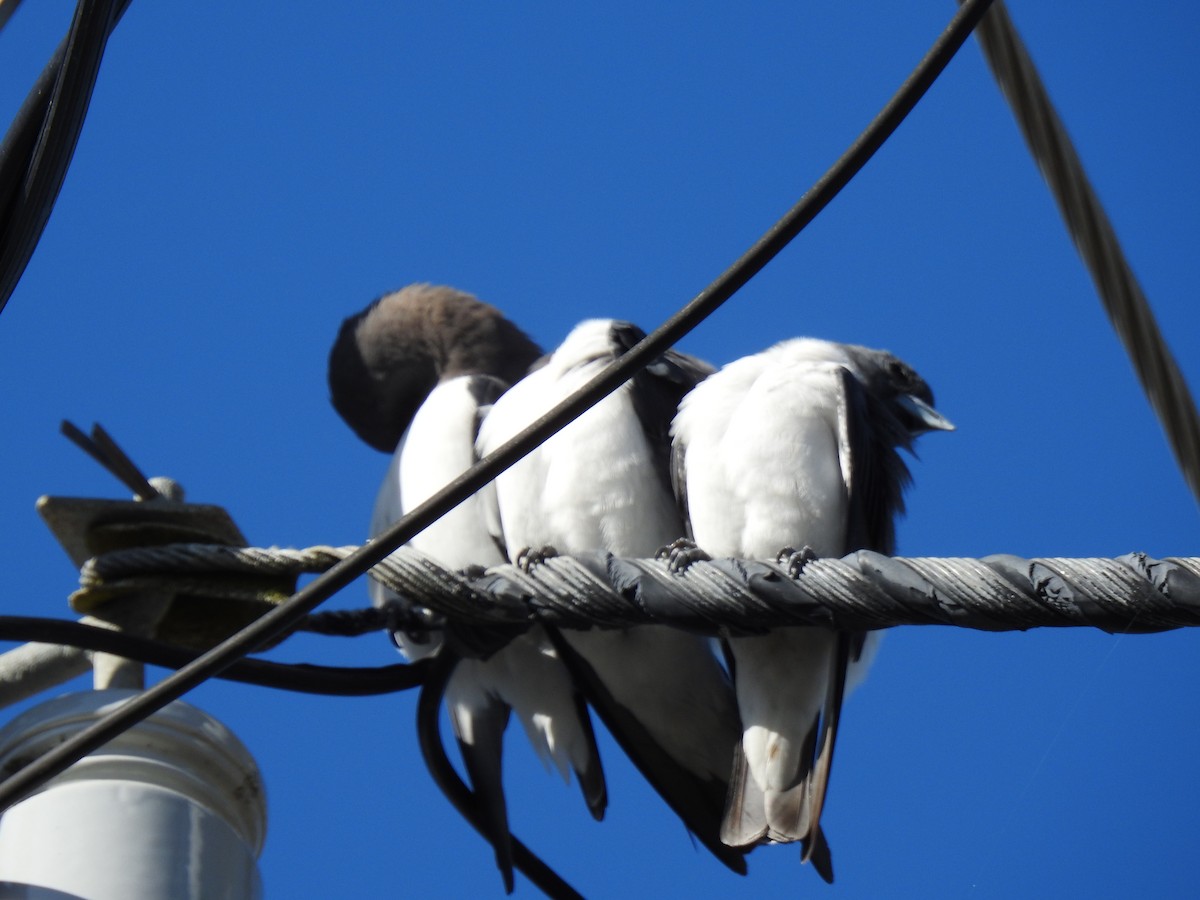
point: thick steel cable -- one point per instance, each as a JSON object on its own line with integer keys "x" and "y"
{"x": 862, "y": 591}
{"x": 1095, "y": 239}
{"x": 308, "y": 598}
{"x": 37, "y": 149}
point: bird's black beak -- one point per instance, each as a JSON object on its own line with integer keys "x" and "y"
{"x": 921, "y": 416}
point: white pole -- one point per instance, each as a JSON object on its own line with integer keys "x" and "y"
{"x": 173, "y": 808}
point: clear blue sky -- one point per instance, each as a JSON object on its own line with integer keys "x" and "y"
{"x": 251, "y": 173}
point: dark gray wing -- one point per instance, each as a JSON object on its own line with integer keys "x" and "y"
{"x": 875, "y": 473}
{"x": 656, "y": 392}
{"x": 698, "y": 802}
{"x": 486, "y": 390}
{"x": 679, "y": 484}
{"x": 873, "y": 485}
{"x": 875, "y": 476}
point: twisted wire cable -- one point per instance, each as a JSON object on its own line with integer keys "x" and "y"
{"x": 861, "y": 591}
{"x": 1094, "y": 238}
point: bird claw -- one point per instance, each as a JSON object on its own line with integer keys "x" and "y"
{"x": 795, "y": 560}
{"x": 680, "y": 554}
{"x": 534, "y": 556}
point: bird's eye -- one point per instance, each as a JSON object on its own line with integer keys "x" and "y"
{"x": 900, "y": 373}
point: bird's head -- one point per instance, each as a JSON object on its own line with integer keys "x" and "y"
{"x": 903, "y": 392}
{"x": 388, "y": 357}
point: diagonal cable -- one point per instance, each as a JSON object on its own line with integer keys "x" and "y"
{"x": 7, "y": 8}
{"x": 1095, "y": 239}
{"x": 37, "y": 149}
{"x": 308, "y": 598}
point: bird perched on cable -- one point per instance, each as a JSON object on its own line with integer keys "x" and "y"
{"x": 414, "y": 374}
{"x": 795, "y": 447}
{"x": 603, "y": 483}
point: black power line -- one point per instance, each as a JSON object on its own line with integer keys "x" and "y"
{"x": 304, "y": 678}
{"x": 308, "y": 598}
{"x": 37, "y": 149}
